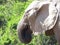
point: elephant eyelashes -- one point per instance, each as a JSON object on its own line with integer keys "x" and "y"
{"x": 26, "y": 34}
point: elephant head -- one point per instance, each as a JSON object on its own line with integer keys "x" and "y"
{"x": 38, "y": 17}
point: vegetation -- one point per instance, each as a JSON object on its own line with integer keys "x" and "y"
{"x": 11, "y": 11}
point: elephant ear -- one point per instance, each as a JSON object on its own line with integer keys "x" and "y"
{"x": 51, "y": 20}
{"x": 46, "y": 18}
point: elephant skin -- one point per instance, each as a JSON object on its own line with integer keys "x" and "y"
{"x": 40, "y": 17}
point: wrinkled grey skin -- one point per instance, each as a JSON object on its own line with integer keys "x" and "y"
{"x": 37, "y": 18}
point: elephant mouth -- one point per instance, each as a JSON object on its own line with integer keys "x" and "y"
{"x": 25, "y": 35}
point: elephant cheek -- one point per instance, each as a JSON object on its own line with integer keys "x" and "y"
{"x": 25, "y": 35}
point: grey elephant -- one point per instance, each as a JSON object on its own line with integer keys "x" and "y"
{"x": 38, "y": 18}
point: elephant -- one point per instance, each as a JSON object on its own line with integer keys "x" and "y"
{"x": 40, "y": 17}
